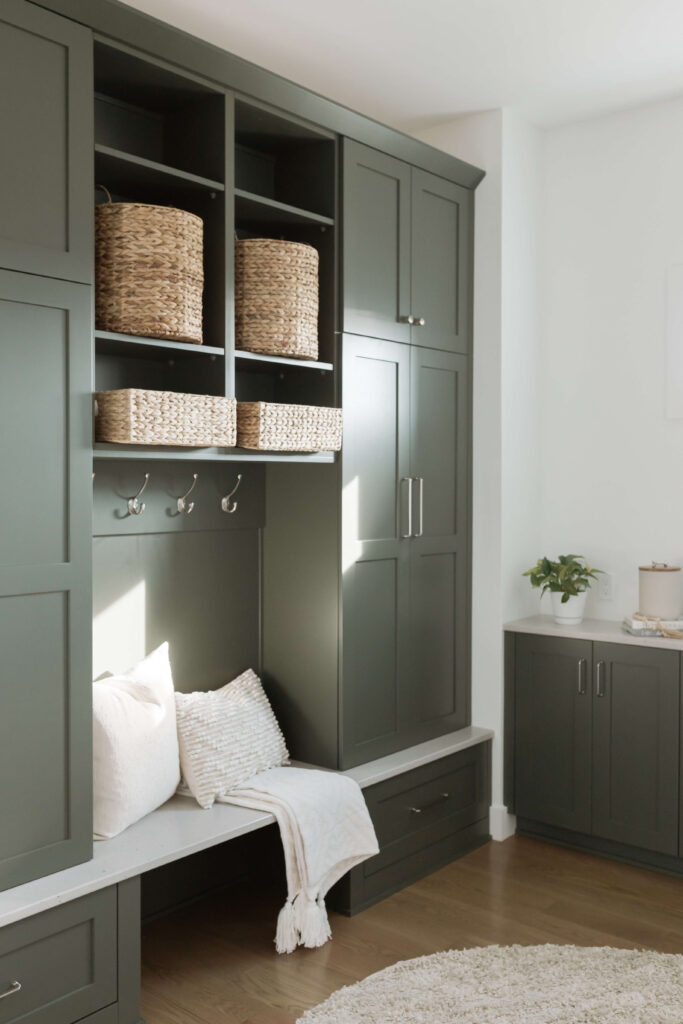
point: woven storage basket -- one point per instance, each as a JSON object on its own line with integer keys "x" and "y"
{"x": 133, "y": 416}
{"x": 276, "y": 298}
{"x": 149, "y": 271}
{"x": 294, "y": 428}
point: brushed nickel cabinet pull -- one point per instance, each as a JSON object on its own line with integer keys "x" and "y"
{"x": 582, "y": 676}
{"x": 420, "y": 529}
{"x": 408, "y": 535}
{"x": 406, "y": 320}
{"x": 600, "y": 679}
{"x": 419, "y": 321}
{"x": 433, "y": 803}
{"x": 15, "y": 986}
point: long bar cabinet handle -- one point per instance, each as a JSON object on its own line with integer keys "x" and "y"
{"x": 408, "y": 535}
{"x": 582, "y": 676}
{"x": 600, "y": 679}
{"x": 425, "y": 807}
{"x": 15, "y": 986}
{"x": 421, "y": 505}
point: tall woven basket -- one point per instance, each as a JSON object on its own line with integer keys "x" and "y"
{"x": 149, "y": 272}
{"x": 276, "y": 297}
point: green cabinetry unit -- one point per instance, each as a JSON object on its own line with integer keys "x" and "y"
{"x": 593, "y": 744}
{"x": 407, "y": 244}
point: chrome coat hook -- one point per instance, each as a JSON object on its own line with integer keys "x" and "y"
{"x": 183, "y": 504}
{"x": 227, "y": 505}
{"x": 135, "y": 507}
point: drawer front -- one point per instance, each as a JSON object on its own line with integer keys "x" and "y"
{"x": 419, "y": 809}
{"x": 65, "y": 961}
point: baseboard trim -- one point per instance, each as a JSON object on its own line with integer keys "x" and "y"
{"x": 502, "y": 824}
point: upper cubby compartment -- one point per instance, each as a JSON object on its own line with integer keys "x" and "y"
{"x": 284, "y": 170}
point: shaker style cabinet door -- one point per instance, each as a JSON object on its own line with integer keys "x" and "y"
{"x": 375, "y": 552}
{"x": 635, "y": 746}
{"x": 438, "y": 697}
{"x": 45, "y": 554}
{"x": 441, "y": 261}
{"x": 46, "y": 130}
{"x": 553, "y": 731}
{"x": 376, "y": 266}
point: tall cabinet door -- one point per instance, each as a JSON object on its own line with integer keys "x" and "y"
{"x": 45, "y": 604}
{"x": 375, "y": 552}
{"x": 46, "y": 87}
{"x": 437, "y": 698}
{"x": 441, "y": 250}
{"x": 553, "y": 731}
{"x": 635, "y": 746}
{"x": 376, "y": 190}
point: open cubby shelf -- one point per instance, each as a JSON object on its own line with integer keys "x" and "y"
{"x": 256, "y": 361}
{"x": 121, "y": 172}
{"x": 110, "y": 343}
{"x": 252, "y": 209}
{"x": 105, "y": 450}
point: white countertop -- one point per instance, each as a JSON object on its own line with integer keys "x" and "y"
{"x": 180, "y": 827}
{"x": 589, "y": 629}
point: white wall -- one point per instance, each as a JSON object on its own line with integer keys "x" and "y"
{"x": 612, "y": 466}
{"x": 506, "y": 406}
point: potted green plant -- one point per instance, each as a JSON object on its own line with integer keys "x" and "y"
{"x": 568, "y": 580}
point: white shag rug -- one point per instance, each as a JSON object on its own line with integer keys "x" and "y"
{"x": 515, "y": 985}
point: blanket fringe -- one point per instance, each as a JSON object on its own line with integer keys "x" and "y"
{"x": 286, "y": 934}
{"x": 314, "y": 924}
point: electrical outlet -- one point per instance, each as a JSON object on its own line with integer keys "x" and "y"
{"x": 606, "y": 586}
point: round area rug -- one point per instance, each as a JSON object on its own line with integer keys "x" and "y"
{"x": 515, "y": 985}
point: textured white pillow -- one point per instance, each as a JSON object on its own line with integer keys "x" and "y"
{"x": 135, "y": 744}
{"x": 226, "y": 736}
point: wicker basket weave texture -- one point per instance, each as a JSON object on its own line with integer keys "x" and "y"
{"x": 135, "y": 416}
{"x": 149, "y": 272}
{"x": 296, "y": 428}
{"x": 276, "y": 298}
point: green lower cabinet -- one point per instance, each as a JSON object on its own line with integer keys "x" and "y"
{"x": 595, "y": 735}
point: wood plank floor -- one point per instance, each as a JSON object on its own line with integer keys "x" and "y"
{"x": 214, "y": 963}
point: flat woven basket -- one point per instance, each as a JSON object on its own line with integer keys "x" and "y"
{"x": 288, "y": 428}
{"x": 276, "y": 298}
{"x": 149, "y": 272}
{"x": 134, "y": 416}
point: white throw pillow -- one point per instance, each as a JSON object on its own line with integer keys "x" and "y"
{"x": 226, "y": 736}
{"x": 135, "y": 744}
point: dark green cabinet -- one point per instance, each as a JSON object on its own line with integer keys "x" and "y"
{"x": 635, "y": 746}
{"x": 45, "y": 606}
{"x": 46, "y": 128}
{"x": 405, "y": 546}
{"x": 596, "y": 739}
{"x": 407, "y": 252}
{"x": 553, "y": 731}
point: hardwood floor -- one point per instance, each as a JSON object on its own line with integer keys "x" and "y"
{"x": 214, "y": 963}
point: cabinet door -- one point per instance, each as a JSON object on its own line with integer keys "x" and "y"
{"x": 441, "y": 262}
{"x": 437, "y": 696}
{"x": 46, "y": 88}
{"x": 635, "y": 746}
{"x": 45, "y": 605}
{"x": 375, "y": 555}
{"x": 376, "y": 243}
{"x": 553, "y": 731}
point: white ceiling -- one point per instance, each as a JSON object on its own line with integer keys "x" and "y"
{"x": 413, "y": 63}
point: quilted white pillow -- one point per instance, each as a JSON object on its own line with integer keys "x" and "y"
{"x": 135, "y": 744}
{"x": 226, "y": 736}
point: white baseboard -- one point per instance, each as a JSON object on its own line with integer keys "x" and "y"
{"x": 502, "y": 824}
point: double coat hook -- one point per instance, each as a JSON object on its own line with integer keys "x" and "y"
{"x": 135, "y": 506}
{"x": 183, "y": 504}
{"x": 226, "y": 504}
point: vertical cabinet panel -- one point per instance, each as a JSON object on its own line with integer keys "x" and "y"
{"x": 376, "y": 263}
{"x": 438, "y": 699}
{"x": 553, "y": 731}
{"x": 375, "y": 557}
{"x": 45, "y": 553}
{"x": 440, "y": 262}
{"x": 635, "y": 746}
{"x": 46, "y": 172}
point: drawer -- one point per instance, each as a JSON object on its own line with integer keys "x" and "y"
{"x": 424, "y": 819}
{"x": 65, "y": 961}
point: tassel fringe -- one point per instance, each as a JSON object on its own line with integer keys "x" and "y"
{"x": 286, "y": 934}
{"x": 302, "y": 922}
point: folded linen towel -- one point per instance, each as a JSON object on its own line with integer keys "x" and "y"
{"x": 325, "y": 829}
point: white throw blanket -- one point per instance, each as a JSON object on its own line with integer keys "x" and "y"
{"x": 326, "y": 830}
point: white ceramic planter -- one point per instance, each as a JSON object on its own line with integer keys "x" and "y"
{"x": 571, "y": 612}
